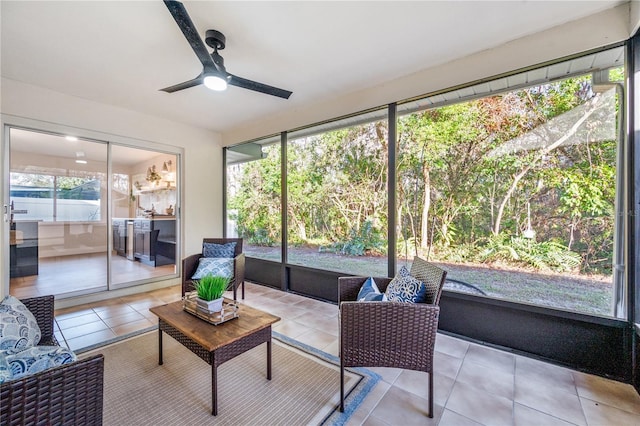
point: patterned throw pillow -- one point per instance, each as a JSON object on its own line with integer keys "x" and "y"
{"x": 369, "y": 292}
{"x": 5, "y": 371}
{"x": 405, "y": 288}
{"x": 18, "y": 327}
{"x": 219, "y": 250}
{"x": 37, "y": 358}
{"x": 214, "y": 266}
{"x": 430, "y": 275}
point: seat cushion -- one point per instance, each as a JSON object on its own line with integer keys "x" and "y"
{"x": 405, "y": 288}
{"x": 369, "y": 292}
{"x": 35, "y": 359}
{"x": 18, "y": 327}
{"x": 219, "y": 250}
{"x": 214, "y": 266}
{"x": 5, "y": 371}
{"x": 430, "y": 275}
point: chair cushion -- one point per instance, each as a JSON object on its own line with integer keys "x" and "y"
{"x": 18, "y": 327}
{"x": 214, "y": 266}
{"x": 405, "y": 288}
{"x": 5, "y": 371}
{"x": 369, "y": 292}
{"x": 35, "y": 359}
{"x": 430, "y": 275}
{"x": 219, "y": 250}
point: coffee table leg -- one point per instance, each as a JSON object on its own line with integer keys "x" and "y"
{"x": 269, "y": 359}
{"x": 159, "y": 346}
{"x": 214, "y": 389}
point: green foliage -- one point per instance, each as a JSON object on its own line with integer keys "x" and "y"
{"x": 545, "y": 255}
{"x": 466, "y": 172}
{"x": 211, "y": 287}
{"x": 366, "y": 240}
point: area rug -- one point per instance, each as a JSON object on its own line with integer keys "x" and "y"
{"x": 304, "y": 390}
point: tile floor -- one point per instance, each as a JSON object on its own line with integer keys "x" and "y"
{"x": 474, "y": 385}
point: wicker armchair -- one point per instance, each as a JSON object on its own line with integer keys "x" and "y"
{"x": 65, "y": 395}
{"x": 190, "y": 265}
{"x": 386, "y": 334}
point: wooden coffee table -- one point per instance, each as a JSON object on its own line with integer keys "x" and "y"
{"x": 215, "y": 344}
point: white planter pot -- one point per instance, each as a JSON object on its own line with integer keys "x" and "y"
{"x": 211, "y": 306}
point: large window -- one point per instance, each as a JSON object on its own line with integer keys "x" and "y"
{"x": 253, "y": 194}
{"x": 337, "y": 197}
{"x": 515, "y": 194}
{"x": 57, "y": 197}
{"x": 515, "y": 186}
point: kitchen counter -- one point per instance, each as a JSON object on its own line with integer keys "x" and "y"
{"x": 23, "y": 249}
{"x": 153, "y": 240}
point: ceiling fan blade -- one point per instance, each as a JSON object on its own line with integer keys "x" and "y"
{"x": 184, "y": 85}
{"x": 183, "y": 20}
{"x": 258, "y": 87}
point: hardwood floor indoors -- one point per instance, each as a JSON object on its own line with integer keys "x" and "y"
{"x": 86, "y": 272}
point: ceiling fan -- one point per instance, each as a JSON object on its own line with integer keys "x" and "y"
{"x": 213, "y": 75}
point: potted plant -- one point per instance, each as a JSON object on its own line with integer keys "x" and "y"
{"x": 209, "y": 290}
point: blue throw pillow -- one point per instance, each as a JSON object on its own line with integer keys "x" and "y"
{"x": 405, "y": 288}
{"x": 37, "y": 358}
{"x": 219, "y": 250}
{"x": 5, "y": 370}
{"x": 214, "y": 266}
{"x": 18, "y": 327}
{"x": 369, "y": 292}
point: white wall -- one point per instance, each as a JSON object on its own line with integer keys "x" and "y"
{"x": 34, "y": 107}
{"x": 598, "y": 30}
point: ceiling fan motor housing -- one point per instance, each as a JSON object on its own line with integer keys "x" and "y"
{"x": 215, "y": 39}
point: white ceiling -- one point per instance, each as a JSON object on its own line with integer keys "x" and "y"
{"x": 121, "y": 52}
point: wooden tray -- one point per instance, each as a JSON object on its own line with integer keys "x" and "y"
{"x": 229, "y": 310}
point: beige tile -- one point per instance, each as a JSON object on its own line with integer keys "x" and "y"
{"x": 316, "y": 338}
{"x": 291, "y": 328}
{"x": 113, "y": 310}
{"x": 525, "y": 416}
{"x": 387, "y": 374}
{"x": 442, "y": 387}
{"x": 81, "y": 330}
{"x": 610, "y": 392}
{"x": 602, "y": 414}
{"x": 486, "y": 379}
{"x": 89, "y": 317}
{"x": 374, "y": 421}
{"x": 124, "y": 319}
{"x": 491, "y": 358}
{"x": 90, "y": 339}
{"x": 451, "y": 346}
{"x": 75, "y": 311}
{"x": 416, "y": 382}
{"x": 286, "y": 311}
{"x": 446, "y": 365}
{"x": 333, "y": 348}
{"x": 370, "y": 402}
{"x": 450, "y": 418}
{"x": 481, "y": 407}
{"x": 555, "y": 402}
{"x": 399, "y": 407}
{"x": 310, "y": 319}
{"x": 133, "y": 326}
{"x": 544, "y": 374}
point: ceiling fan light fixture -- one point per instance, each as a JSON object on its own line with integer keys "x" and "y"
{"x": 215, "y": 82}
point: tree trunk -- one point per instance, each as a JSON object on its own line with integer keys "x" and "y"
{"x": 426, "y": 205}
{"x": 540, "y": 155}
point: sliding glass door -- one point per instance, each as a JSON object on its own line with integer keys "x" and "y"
{"x": 143, "y": 205}
{"x": 87, "y": 216}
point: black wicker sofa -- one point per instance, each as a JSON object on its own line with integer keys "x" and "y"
{"x": 70, "y": 394}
